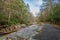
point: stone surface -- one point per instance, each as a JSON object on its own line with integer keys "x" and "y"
{"x": 48, "y": 33}
{"x": 24, "y": 33}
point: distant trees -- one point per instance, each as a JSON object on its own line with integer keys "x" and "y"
{"x": 50, "y": 12}
{"x": 55, "y": 17}
{"x": 13, "y": 12}
{"x": 46, "y": 8}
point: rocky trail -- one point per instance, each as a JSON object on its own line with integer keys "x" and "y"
{"x": 34, "y": 32}
{"x": 23, "y": 33}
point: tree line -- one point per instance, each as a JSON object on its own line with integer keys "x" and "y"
{"x": 14, "y": 12}
{"x": 50, "y": 11}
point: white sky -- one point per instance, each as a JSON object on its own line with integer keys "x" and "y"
{"x": 34, "y": 5}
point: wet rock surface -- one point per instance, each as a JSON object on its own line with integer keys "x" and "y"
{"x": 48, "y": 33}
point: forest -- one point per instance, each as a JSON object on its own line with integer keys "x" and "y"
{"x": 14, "y": 12}
{"x": 50, "y": 12}
{"x": 29, "y": 19}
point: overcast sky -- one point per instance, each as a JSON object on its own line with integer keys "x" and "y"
{"x": 34, "y": 5}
